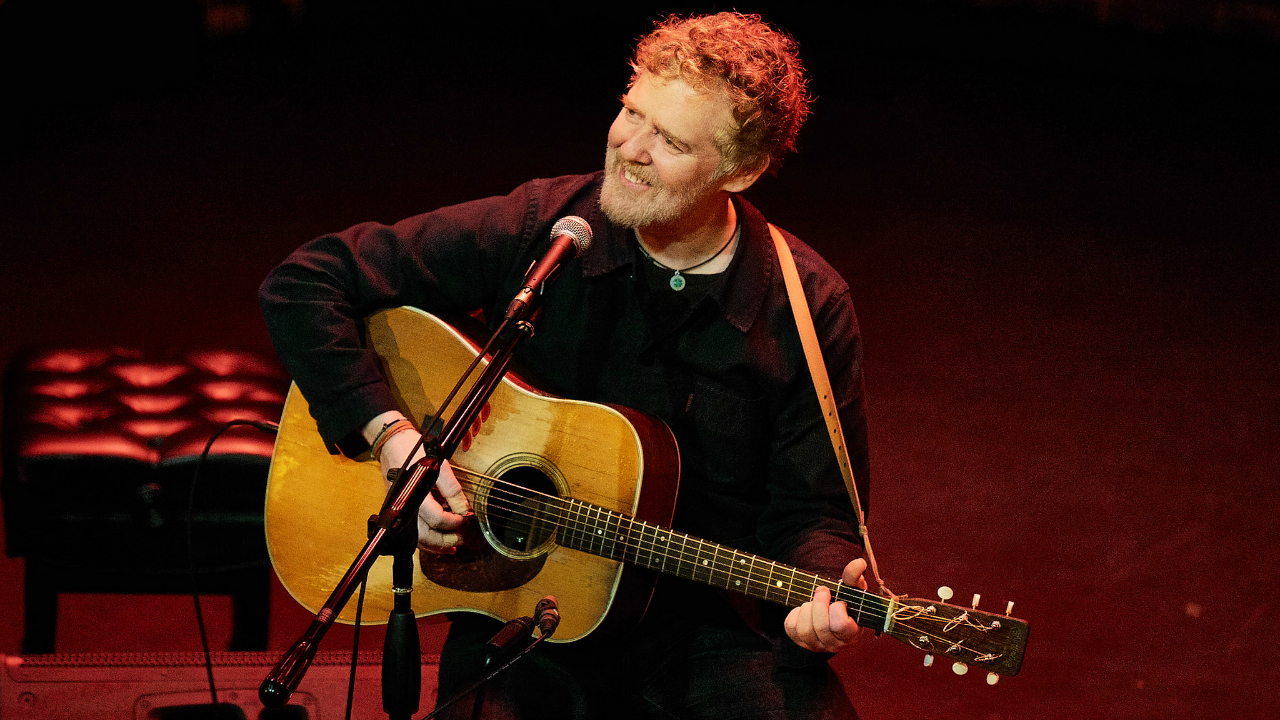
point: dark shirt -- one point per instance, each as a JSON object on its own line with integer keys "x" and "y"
{"x": 727, "y": 373}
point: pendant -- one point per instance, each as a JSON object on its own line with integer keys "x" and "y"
{"x": 677, "y": 282}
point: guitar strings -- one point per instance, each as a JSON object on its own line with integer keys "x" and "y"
{"x": 555, "y": 508}
{"x": 513, "y": 498}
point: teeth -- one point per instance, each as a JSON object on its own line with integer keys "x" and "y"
{"x": 627, "y": 174}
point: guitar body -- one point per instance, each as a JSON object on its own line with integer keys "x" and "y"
{"x": 318, "y": 504}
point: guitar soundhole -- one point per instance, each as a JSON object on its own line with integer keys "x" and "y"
{"x": 518, "y": 510}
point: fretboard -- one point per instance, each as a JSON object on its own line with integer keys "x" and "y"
{"x": 599, "y": 531}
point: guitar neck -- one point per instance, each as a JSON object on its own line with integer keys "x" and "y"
{"x": 613, "y": 535}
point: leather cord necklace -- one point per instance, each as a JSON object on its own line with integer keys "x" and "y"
{"x": 677, "y": 281}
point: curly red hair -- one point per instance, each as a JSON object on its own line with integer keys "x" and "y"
{"x": 755, "y": 65}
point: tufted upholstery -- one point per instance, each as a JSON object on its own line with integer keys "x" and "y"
{"x": 100, "y": 445}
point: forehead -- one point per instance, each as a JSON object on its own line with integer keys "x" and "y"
{"x": 696, "y": 116}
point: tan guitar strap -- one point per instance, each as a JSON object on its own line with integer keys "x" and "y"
{"x": 822, "y": 384}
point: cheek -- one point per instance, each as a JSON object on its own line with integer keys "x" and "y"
{"x": 677, "y": 173}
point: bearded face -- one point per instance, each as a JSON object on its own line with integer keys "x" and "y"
{"x": 655, "y": 203}
{"x": 663, "y": 164}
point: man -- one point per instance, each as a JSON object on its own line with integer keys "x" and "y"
{"x": 677, "y": 309}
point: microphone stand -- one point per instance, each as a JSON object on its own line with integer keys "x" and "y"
{"x": 398, "y": 513}
{"x": 402, "y": 646}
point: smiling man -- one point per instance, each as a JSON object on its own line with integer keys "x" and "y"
{"x": 677, "y": 309}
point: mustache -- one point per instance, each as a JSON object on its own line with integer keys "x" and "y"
{"x": 635, "y": 170}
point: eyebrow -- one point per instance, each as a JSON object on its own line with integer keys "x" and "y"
{"x": 675, "y": 139}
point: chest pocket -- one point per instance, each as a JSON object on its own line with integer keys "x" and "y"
{"x": 731, "y": 432}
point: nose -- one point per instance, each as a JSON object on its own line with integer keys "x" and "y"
{"x": 634, "y": 143}
{"x": 638, "y": 148}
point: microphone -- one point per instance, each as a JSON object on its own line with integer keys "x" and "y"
{"x": 547, "y": 615}
{"x": 511, "y": 633}
{"x": 570, "y": 237}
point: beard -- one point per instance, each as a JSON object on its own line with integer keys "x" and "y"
{"x": 659, "y": 205}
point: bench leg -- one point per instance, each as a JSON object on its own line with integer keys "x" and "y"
{"x": 250, "y": 606}
{"x": 40, "y": 603}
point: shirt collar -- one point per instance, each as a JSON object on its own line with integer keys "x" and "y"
{"x": 748, "y": 276}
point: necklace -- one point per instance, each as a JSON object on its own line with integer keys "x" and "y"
{"x": 677, "y": 281}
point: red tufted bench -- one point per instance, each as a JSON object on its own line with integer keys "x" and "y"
{"x": 100, "y": 446}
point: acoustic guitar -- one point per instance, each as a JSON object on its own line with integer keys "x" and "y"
{"x": 571, "y": 499}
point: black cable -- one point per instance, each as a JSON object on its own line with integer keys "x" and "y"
{"x": 355, "y": 648}
{"x": 476, "y": 685}
{"x": 191, "y": 553}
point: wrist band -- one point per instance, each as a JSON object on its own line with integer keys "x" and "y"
{"x": 384, "y": 429}
{"x": 390, "y": 430}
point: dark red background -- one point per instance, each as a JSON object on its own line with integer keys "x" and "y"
{"x": 1060, "y": 229}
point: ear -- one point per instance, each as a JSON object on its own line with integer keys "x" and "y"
{"x": 741, "y": 179}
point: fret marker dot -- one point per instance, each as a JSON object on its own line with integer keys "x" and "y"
{"x": 779, "y": 583}
{"x": 599, "y": 532}
{"x": 737, "y": 582}
{"x": 743, "y": 561}
{"x": 704, "y": 562}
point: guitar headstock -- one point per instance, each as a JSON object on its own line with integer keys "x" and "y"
{"x": 992, "y": 642}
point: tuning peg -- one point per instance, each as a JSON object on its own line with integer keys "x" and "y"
{"x": 1008, "y": 610}
{"x": 992, "y": 678}
{"x": 976, "y": 598}
{"x": 928, "y": 660}
{"x": 944, "y": 593}
{"x": 959, "y": 668}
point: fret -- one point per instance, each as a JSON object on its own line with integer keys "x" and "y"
{"x": 753, "y": 584}
{"x": 776, "y": 585}
{"x": 701, "y": 571}
{"x": 572, "y": 526}
{"x": 736, "y": 575}
{"x": 653, "y": 556}
{"x": 577, "y": 534}
{"x": 644, "y": 544}
{"x": 595, "y": 532}
{"x": 626, "y": 539}
{"x": 562, "y": 529}
{"x": 689, "y": 554}
{"x": 783, "y": 580}
{"x": 758, "y": 577}
{"x": 662, "y": 547}
{"x": 870, "y": 611}
{"x": 675, "y": 554}
{"x": 721, "y": 567}
{"x": 802, "y": 586}
{"x": 617, "y": 538}
{"x": 853, "y": 605}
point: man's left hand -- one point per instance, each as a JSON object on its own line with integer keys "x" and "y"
{"x": 824, "y": 626}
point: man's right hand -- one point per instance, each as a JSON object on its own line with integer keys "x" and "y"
{"x": 445, "y": 510}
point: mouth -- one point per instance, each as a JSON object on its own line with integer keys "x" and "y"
{"x": 632, "y": 179}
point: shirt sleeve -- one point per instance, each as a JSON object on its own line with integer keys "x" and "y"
{"x": 449, "y": 261}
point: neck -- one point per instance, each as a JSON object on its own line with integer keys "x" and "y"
{"x": 689, "y": 242}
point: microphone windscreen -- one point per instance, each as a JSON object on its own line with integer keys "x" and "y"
{"x": 575, "y": 227}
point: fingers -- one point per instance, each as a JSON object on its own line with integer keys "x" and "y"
{"x": 451, "y": 490}
{"x": 821, "y": 625}
{"x": 443, "y": 514}
{"x": 438, "y": 531}
{"x": 852, "y": 574}
{"x": 445, "y": 509}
